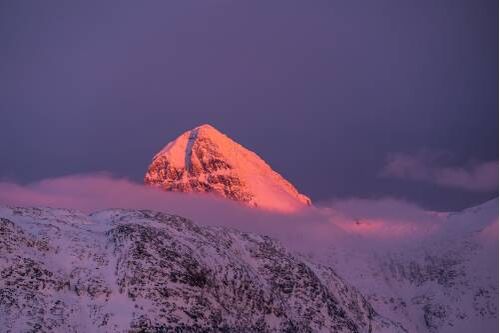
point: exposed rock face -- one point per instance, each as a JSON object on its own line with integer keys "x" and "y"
{"x": 142, "y": 271}
{"x": 205, "y": 160}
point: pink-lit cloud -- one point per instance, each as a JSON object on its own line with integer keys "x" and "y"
{"x": 387, "y": 222}
{"x": 424, "y": 166}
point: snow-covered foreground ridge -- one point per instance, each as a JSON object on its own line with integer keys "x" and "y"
{"x": 205, "y": 160}
{"x": 143, "y": 271}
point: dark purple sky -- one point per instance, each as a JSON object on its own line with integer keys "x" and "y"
{"x": 325, "y": 91}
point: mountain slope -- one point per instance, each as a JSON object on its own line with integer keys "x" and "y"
{"x": 205, "y": 160}
{"x": 444, "y": 282}
{"x": 142, "y": 271}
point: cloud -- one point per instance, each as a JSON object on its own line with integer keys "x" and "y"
{"x": 360, "y": 224}
{"x": 427, "y": 167}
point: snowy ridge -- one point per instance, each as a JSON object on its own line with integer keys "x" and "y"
{"x": 205, "y": 160}
{"x": 143, "y": 271}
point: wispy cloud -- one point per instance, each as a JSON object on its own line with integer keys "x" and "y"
{"x": 386, "y": 223}
{"x": 428, "y": 167}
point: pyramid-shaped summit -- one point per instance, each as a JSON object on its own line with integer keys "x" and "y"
{"x": 205, "y": 160}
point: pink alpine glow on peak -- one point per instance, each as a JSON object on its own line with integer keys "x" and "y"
{"x": 205, "y": 160}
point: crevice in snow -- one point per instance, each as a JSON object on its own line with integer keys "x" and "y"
{"x": 193, "y": 135}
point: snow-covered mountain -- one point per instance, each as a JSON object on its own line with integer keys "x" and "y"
{"x": 205, "y": 160}
{"x": 142, "y": 271}
{"x": 446, "y": 281}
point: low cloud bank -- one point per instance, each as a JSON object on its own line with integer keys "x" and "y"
{"x": 360, "y": 223}
{"x": 425, "y": 166}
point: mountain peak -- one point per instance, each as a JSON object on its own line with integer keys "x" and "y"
{"x": 205, "y": 130}
{"x": 207, "y": 127}
{"x": 204, "y": 159}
